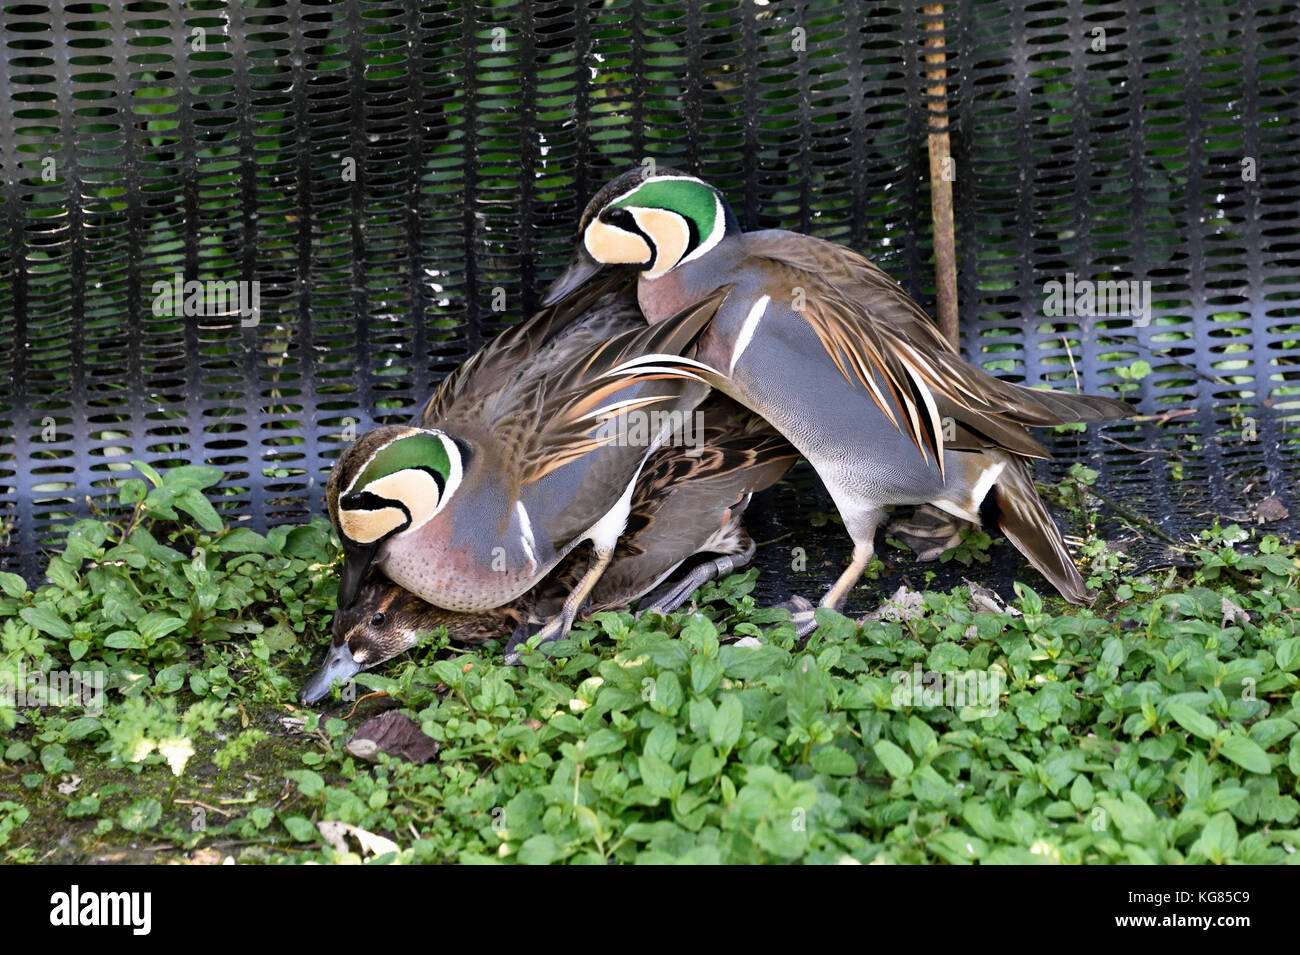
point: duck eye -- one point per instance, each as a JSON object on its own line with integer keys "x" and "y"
{"x": 620, "y": 218}
{"x": 377, "y": 620}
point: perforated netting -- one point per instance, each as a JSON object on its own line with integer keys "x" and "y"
{"x": 390, "y": 171}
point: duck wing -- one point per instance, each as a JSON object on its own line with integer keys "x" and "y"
{"x": 877, "y": 335}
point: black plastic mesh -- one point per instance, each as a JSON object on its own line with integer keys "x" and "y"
{"x": 217, "y": 140}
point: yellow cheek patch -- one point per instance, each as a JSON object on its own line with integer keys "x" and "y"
{"x": 416, "y": 489}
{"x": 670, "y": 235}
{"x": 366, "y": 527}
{"x": 614, "y": 246}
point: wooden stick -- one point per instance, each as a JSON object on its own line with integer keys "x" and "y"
{"x": 945, "y": 243}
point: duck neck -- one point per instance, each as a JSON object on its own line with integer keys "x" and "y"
{"x": 687, "y": 284}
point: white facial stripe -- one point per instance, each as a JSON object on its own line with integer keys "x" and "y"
{"x": 747, "y": 329}
{"x": 706, "y": 242}
{"x": 366, "y": 463}
{"x": 649, "y": 179}
{"x": 526, "y": 538}
{"x": 671, "y": 236}
{"x": 713, "y": 238}
{"x": 455, "y": 471}
{"x": 366, "y": 527}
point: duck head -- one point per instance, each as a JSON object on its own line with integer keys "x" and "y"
{"x": 388, "y": 483}
{"x": 652, "y": 219}
{"x": 383, "y": 622}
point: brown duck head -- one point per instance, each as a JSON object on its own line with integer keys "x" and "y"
{"x": 385, "y": 621}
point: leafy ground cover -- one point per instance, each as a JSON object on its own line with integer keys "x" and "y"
{"x": 1158, "y": 726}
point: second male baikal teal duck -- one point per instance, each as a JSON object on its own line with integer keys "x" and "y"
{"x": 520, "y": 456}
{"x": 841, "y": 361}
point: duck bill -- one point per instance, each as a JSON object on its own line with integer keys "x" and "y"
{"x": 581, "y": 270}
{"x": 339, "y": 667}
{"x": 357, "y": 559}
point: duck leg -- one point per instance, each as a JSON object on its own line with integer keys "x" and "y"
{"x": 839, "y": 592}
{"x": 559, "y": 625}
{"x": 862, "y": 528}
{"x": 671, "y": 596}
{"x": 801, "y": 611}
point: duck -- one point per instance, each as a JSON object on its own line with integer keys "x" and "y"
{"x": 686, "y": 515}
{"x": 528, "y": 449}
{"x": 834, "y": 353}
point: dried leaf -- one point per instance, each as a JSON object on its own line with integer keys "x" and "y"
{"x": 1271, "y": 509}
{"x": 903, "y": 605}
{"x": 1232, "y": 613}
{"x": 335, "y": 834}
{"x": 984, "y": 600}
{"x": 393, "y": 733}
{"x": 208, "y": 856}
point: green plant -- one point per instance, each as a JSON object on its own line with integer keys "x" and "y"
{"x": 1158, "y": 726}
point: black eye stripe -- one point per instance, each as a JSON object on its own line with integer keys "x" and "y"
{"x": 370, "y": 501}
{"x": 692, "y": 235}
{"x": 438, "y": 479}
{"x": 367, "y": 501}
{"x": 622, "y": 219}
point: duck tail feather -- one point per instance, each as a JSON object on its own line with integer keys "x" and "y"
{"x": 1024, "y": 519}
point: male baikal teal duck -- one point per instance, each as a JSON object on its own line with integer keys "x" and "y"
{"x": 520, "y": 455}
{"x": 831, "y": 351}
{"x": 688, "y": 501}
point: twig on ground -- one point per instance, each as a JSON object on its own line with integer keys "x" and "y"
{"x": 209, "y": 808}
{"x": 360, "y": 700}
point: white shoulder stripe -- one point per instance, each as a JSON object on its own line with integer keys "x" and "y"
{"x": 526, "y": 538}
{"x": 988, "y": 477}
{"x": 747, "y": 330}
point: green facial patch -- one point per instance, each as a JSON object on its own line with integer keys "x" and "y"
{"x": 417, "y": 450}
{"x": 687, "y": 197}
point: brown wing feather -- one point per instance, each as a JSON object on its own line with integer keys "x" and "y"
{"x": 1023, "y": 518}
{"x": 878, "y": 336}
{"x": 563, "y": 413}
{"x": 686, "y": 493}
{"x": 496, "y": 367}
{"x": 738, "y": 450}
